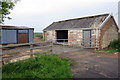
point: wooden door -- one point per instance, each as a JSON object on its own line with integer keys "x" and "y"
{"x": 87, "y": 38}
{"x": 22, "y": 38}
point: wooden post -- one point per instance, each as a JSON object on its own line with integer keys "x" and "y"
{"x": 31, "y": 50}
{"x": 2, "y": 62}
{"x": 96, "y": 39}
{"x": 96, "y": 44}
{"x": 53, "y": 46}
{"x": 2, "y": 55}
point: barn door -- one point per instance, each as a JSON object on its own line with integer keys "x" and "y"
{"x": 22, "y": 36}
{"x": 87, "y": 38}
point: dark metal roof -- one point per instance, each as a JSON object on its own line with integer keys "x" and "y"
{"x": 84, "y": 22}
{"x": 14, "y": 27}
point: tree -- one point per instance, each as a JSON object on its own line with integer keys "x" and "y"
{"x": 5, "y": 7}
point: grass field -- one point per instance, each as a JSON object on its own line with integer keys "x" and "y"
{"x": 42, "y": 66}
{"x": 38, "y": 35}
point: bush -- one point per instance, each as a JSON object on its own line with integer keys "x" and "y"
{"x": 115, "y": 44}
{"x": 119, "y": 34}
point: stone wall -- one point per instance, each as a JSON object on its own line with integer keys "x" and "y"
{"x": 75, "y": 37}
{"x": 95, "y": 38}
{"x": 49, "y": 35}
{"x": 109, "y": 32}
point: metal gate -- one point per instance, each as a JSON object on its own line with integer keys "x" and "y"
{"x": 63, "y": 47}
{"x": 73, "y": 45}
{"x": 87, "y": 38}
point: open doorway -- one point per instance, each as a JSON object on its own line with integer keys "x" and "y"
{"x": 62, "y": 35}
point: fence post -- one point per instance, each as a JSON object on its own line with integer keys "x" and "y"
{"x": 1, "y": 56}
{"x": 98, "y": 44}
{"x": 54, "y": 41}
{"x": 52, "y": 46}
{"x": 95, "y": 44}
{"x": 31, "y": 50}
{"x": 3, "y": 62}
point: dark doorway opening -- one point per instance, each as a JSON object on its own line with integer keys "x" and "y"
{"x": 62, "y": 35}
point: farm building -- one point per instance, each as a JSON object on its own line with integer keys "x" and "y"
{"x": 89, "y": 32}
{"x": 15, "y": 35}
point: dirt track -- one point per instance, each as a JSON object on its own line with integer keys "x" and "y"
{"x": 92, "y": 65}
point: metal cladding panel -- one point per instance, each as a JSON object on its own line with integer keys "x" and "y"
{"x": 0, "y": 36}
{"x": 22, "y": 31}
{"x": 31, "y": 32}
{"x": 9, "y": 36}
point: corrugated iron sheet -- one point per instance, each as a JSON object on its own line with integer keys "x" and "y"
{"x": 31, "y": 35}
{"x": 8, "y": 36}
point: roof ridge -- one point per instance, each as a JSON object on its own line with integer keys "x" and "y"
{"x": 83, "y": 17}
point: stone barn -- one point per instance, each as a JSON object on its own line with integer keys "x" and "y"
{"x": 15, "y": 34}
{"x": 90, "y": 32}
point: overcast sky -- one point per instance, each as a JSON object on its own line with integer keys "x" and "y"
{"x": 41, "y": 13}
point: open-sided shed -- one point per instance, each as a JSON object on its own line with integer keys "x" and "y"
{"x": 91, "y": 31}
{"x": 15, "y": 34}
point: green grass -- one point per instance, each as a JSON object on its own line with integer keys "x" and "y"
{"x": 42, "y": 66}
{"x": 38, "y": 35}
{"x": 108, "y": 50}
{"x": 111, "y": 50}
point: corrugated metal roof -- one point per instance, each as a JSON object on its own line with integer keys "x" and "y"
{"x": 14, "y": 27}
{"x": 84, "y": 22}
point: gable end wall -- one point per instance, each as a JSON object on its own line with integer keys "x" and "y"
{"x": 108, "y": 33}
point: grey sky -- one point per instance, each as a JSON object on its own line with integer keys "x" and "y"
{"x": 41, "y": 13}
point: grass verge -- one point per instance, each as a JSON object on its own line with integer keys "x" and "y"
{"x": 42, "y": 66}
{"x": 108, "y": 50}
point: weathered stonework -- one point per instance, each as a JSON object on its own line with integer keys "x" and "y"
{"x": 75, "y": 37}
{"x": 49, "y": 35}
{"x": 108, "y": 33}
{"x": 95, "y": 38}
{"x": 97, "y": 22}
{"x": 100, "y": 38}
